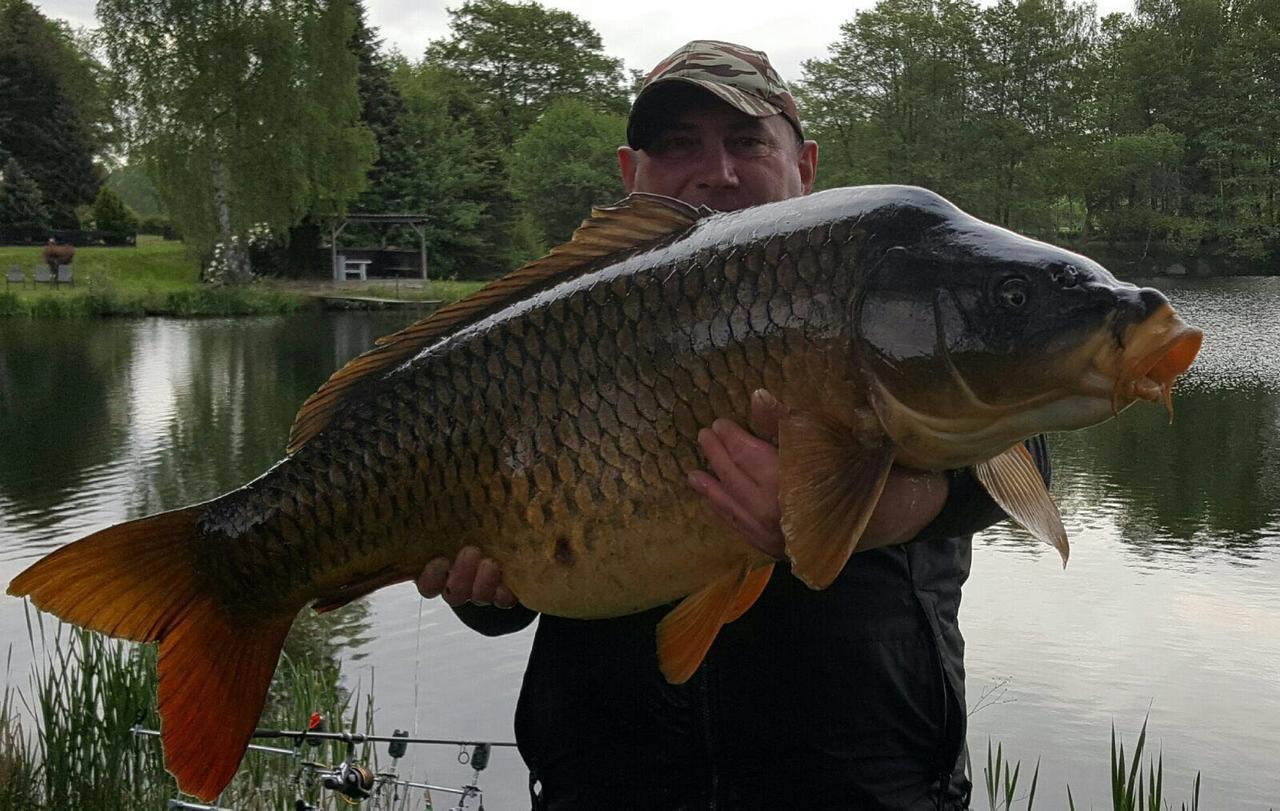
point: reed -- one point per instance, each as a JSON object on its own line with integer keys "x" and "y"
{"x": 86, "y": 693}
{"x": 1132, "y": 789}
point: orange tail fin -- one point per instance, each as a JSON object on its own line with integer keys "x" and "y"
{"x": 138, "y": 581}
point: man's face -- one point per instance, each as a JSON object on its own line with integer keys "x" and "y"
{"x": 718, "y": 156}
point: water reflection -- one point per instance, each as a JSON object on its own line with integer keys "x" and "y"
{"x": 1205, "y": 483}
{"x": 1176, "y": 530}
{"x": 55, "y": 376}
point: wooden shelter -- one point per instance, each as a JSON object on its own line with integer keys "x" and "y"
{"x": 355, "y": 262}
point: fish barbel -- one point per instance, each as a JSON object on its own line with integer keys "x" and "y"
{"x": 551, "y": 417}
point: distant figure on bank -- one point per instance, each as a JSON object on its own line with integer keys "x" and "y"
{"x": 55, "y": 255}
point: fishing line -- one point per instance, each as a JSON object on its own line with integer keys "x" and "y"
{"x": 417, "y": 668}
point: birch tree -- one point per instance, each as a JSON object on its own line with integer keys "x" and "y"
{"x": 245, "y": 111}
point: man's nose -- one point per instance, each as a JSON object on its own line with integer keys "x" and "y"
{"x": 717, "y": 168}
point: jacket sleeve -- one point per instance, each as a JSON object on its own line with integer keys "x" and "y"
{"x": 491, "y": 621}
{"x": 968, "y": 508}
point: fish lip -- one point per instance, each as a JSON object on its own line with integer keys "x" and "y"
{"x": 1149, "y": 371}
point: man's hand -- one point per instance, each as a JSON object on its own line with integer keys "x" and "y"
{"x": 470, "y": 577}
{"x": 743, "y": 491}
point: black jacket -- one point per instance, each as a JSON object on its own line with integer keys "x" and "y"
{"x": 848, "y": 698}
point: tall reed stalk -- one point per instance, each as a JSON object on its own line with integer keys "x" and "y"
{"x": 85, "y": 695}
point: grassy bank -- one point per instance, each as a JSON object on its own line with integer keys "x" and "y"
{"x": 159, "y": 277}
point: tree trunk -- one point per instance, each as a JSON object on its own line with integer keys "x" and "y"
{"x": 235, "y": 256}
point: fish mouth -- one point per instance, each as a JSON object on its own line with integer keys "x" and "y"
{"x": 1156, "y": 351}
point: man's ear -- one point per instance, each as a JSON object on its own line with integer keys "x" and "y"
{"x": 808, "y": 165}
{"x": 628, "y": 161}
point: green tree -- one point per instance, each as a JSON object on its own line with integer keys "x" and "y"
{"x": 110, "y": 214}
{"x": 383, "y": 111}
{"x": 248, "y": 111}
{"x": 136, "y": 189}
{"x": 896, "y": 100}
{"x": 519, "y": 57}
{"x": 21, "y": 202}
{"x": 566, "y": 163}
{"x": 54, "y": 114}
{"x": 1035, "y": 82}
{"x": 457, "y": 175}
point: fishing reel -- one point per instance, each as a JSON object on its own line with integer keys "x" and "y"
{"x": 354, "y": 781}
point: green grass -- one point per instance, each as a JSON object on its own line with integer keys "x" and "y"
{"x": 159, "y": 277}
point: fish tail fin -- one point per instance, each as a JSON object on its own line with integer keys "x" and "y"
{"x": 139, "y": 581}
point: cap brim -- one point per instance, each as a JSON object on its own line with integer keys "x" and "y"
{"x": 744, "y": 102}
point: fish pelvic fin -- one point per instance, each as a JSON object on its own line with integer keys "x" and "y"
{"x": 1015, "y": 483}
{"x": 831, "y": 479}
{"x": 612, "y": 232}
{"x": 138, "y": 581}
{"x": 685, "y": 635}
{"x": 751, "y": 590}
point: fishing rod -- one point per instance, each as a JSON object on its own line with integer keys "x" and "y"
{"x": 315, "y": 738}
{"x": 356, "y": 782}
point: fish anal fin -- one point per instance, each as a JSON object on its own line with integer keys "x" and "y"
{"x": 685, "y": 635}
{"x": 368, "y": 585}
{"x": 1015, "y": 483}
{"x": 214, "y": 676}
{"x": 830, "y": 478}
{"x": 751, "y": 590}
{"x": 635, "y": 222}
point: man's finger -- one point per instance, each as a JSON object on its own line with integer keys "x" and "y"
{"x": 504, "y": 598}
{"x": 766, "y": 413}
{"x": 734, "y": 452}
{"x": 764, "y": 535}
{"x": 433, "y": 578}
{"x": 462, "y": 576}
{"x": 488, "y": 578}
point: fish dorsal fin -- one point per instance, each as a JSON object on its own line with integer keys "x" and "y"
{"x": 636, "y": 222}
{"x": 1015, "y": 483}
{"x": 830, "y": 482}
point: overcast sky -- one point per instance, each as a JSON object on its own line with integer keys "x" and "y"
{"x": 639, "y": 33}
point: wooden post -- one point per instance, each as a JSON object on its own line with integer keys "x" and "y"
{"x": 421, "y": 230}
{"x": 334, "y": 231}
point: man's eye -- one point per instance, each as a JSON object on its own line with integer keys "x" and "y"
{"x": 749, "y": 146}
{"x": 674, "y": 146}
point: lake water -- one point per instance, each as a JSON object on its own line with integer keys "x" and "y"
{"x": 1169, "y": 610}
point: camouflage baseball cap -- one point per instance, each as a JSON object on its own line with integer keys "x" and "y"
{"x": 741, "y": 77}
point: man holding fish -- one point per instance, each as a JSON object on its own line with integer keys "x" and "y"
{"x": 851, "y": 697}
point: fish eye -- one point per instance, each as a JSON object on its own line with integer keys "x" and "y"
{"x": 1066, "y": 276}
{"x": 1013, "y": 293}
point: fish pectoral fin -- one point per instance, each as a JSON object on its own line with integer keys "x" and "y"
{"x": 1015, "y": 483}
{"x": 365, "y": 586}
{"x": 830, "y": 482}
{"x": 685, "y": 635}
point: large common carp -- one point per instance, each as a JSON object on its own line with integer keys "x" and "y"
{"x": 550, "y": 419}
